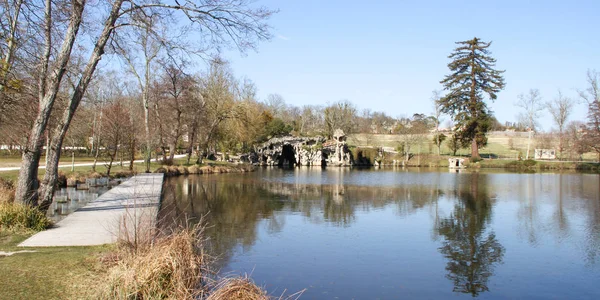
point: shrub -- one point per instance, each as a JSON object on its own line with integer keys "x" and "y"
{"x": 14, "y": 216}
{"x": 123, "y": 174}
{"x": 529, "y": 162}
{"x": 62, "y": 179}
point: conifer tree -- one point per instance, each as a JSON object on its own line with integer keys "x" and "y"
{"x": 473, "y": 74}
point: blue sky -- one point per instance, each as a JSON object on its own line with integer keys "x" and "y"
{"x": 390, "y": 55}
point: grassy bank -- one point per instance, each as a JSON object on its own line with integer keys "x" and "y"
{"x": 47, "y": 273}
{"x": 174, "y": 266}
{"x": 534, "y": 165}
{"x": 504, "y": 145}
{"x": 204, "y": 169}
{"x": 368, "y": 156}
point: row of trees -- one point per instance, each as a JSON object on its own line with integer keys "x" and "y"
{"x": 50, "y": 52}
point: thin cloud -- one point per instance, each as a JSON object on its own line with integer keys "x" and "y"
{"x": 283, "y": 37}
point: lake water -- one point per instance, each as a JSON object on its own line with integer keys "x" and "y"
{"x": 395, "y": 234}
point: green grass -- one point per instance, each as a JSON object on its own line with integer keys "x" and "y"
{"x": 13, "y": 175}
{"x": 48, "y": 273}
{"x": 499, "y": 145}
{"x": 15, "y": 216}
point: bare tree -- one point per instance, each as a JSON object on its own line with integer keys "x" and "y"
{"x": 218, "y": 94}
{"x": 177, "y": 89}
{"x": 592, "y": 96}
{"x": 575, "y": 139}
{"x": 145, "y": 38}
{"x": 412, "y": 132}
{"x": 340, "y": 115}
{"x": 532, "y": 105}
{"x": 560, "y": 108}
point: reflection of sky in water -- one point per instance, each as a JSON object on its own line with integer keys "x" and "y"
{"x": 379, "y": 234}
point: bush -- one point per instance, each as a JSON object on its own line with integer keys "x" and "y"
{"x": 123, "y": 174}
{"x": 529, "y": 162}
{"x": 14, "y": 216}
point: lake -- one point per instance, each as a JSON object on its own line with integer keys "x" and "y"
{"x": 345, "y": 233}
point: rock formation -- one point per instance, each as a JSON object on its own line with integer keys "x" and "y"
{"x": 302, "y": 151}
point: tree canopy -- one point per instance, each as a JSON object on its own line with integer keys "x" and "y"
{"x": 473, "y": 74}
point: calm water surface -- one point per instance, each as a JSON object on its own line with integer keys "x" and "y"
{"x": 394, "y": 234}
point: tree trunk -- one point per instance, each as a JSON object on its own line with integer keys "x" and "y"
{"x": 26, "y": 191}
{"x": 97, "y": 141}
{"x": 51, "y": 176}
{"x": 172, "y": 151}
{"x": 474, "y": 149}
{"x": 528, "y": 144}
{"x": 132, "y": 153}
{"x": 173, "y": 145}
{"x": 147, "y": 131}
{"x": 192, "y": 138}
{"x": 111, "y": 160}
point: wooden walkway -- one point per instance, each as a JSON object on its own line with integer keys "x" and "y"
{"x": 101, "y": 221}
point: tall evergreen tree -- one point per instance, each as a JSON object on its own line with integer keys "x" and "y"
{"x": 472, "y": 75}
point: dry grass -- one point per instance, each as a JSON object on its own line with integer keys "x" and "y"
{"x": 183, "y": 170}
{"x": 7, "y": 191}
{"x": 209, "y": 169}
{"x": 194, "y": 170}
{"x": 171, "y": 267}
{"x": 237, "y": 289}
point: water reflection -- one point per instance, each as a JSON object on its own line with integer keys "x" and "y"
{"x": 472, "y": 250}
{"x": 481, "y": 227}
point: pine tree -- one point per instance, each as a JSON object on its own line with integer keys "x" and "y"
{"x": 472, "y": 75}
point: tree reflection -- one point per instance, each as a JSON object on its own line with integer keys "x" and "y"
{"x": 230, "y": 211}
{"x": 471, "y": 250}
{"x": 233, "y": 207}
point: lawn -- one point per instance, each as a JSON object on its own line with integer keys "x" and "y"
{"x": 48, "y": 273}
{"x": 500, "y": 145}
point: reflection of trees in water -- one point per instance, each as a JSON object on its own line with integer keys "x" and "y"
{"x": 234, "y": 208}
{"x": 471, "y": 250}
{"x": 231, "y": 211}
{"x": 592, "y": 247}
{"x": 573, "y": 197}
{"x": 528, "y": 213}
{"x": 560, "y": 216}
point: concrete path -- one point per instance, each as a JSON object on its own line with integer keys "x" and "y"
{"x": 118, "y": 212}
{"x": 100, "y": 163}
